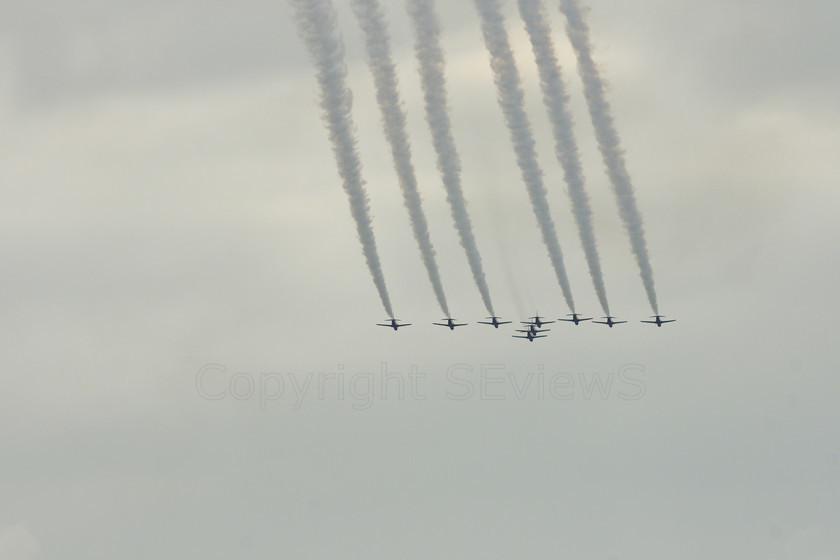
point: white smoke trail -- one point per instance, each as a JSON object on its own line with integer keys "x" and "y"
{"x": 510, "y": 97}
{"x": 565, "y": 147}
{"x": 431, "y": 63}
{"x": 608, "y": 142}
{"x": 316, "y": 25}
{"x": 377, "y": 42}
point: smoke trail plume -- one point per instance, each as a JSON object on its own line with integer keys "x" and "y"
{"x": 510, "y": 98}
{"x": 565, "y": 145}
{"x": 377, "y": 42}
{"x": 316, "y": 25}
{"x": 431, "y": 64}
{"x": 608, "y": 142}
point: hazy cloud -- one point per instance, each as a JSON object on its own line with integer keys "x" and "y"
{"x": 175, "y": 204}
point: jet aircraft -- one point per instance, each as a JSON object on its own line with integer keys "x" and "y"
{"x": 609, "y": 321}
{"x": 532, "y": 329}
{"x": 393, "y": 323}
{"x": 529, "y": 334}
{"x": 658, "y": 321}
{"x": 494, "y": 321}
{"x": 450, "y": 323}
{"x": 576, "y": 319}
{"x": 536, "y": 320}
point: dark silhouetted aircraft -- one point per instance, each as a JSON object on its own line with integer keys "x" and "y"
{"x": 532, "y": 329}
{"x": 394, "y": 324}
{"x": 659, "y": 322}
{"x": 450, "y": 323}
{"x": 494, "y": 321}
{"x": 536, "y": 320}
{"x": 609, "y": 322}
{"x": 529, "y": 334}
{"x": 576, "y": 319}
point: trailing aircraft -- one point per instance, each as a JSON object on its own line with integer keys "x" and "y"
{"x": 530, "y": 335}
{"x": 532, "y": 329}
{"x": 536, "y": 320}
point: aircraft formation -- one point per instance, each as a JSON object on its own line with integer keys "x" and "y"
{"x": 533, "y": 326}
{"x": 318, "y": 27}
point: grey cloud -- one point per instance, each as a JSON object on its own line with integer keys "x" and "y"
{"x": 168, "y": 224}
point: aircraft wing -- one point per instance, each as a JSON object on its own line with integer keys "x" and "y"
{"x": 602, "y": 322}
{"x": 441, "y": 324}
{"x": 618, "y": 322}
{"x": 668, "y": 321}
{"x": 404, "y": 325}
{"x": 383, "y": 325}
{"x": 540, "y": 336}
{"x": 569, "y": 320}
{"x": 651, "y": 322}
{"x": 504, "y": 322}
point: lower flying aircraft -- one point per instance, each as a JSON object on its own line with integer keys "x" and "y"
{"x": 529, "y": 334}
{"x": 659, "y": 322}
{"x": 532, "y": 329}
{"x": 394, "y": 324}
{"x": 450, "y": 323}
{"x": 609, "y": 321}
{"x": 494, "y": 321}
{"x": 575, "y": 318}
{"x": 536, "y": 320}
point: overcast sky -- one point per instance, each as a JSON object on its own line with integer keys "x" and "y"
{"x": 190, "y": 363}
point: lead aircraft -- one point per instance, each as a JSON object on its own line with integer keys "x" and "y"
{"x": 575, "y": 318}
{"x": 495, "y": 322}
{"x": 393, "y": 323}
{"x": 659, "y": 322}
{"x": 450, "y": 323}
{"x": 609, "y": 321}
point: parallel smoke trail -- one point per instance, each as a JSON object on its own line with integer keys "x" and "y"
{"x": 565, "y": 147}
{"x": 608, "y": 142}
{"x": 510, "y": 98}
{"x": 316, "y": 25}
{"x": 431, "y": 64}
{"x": 377, "y": 42}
